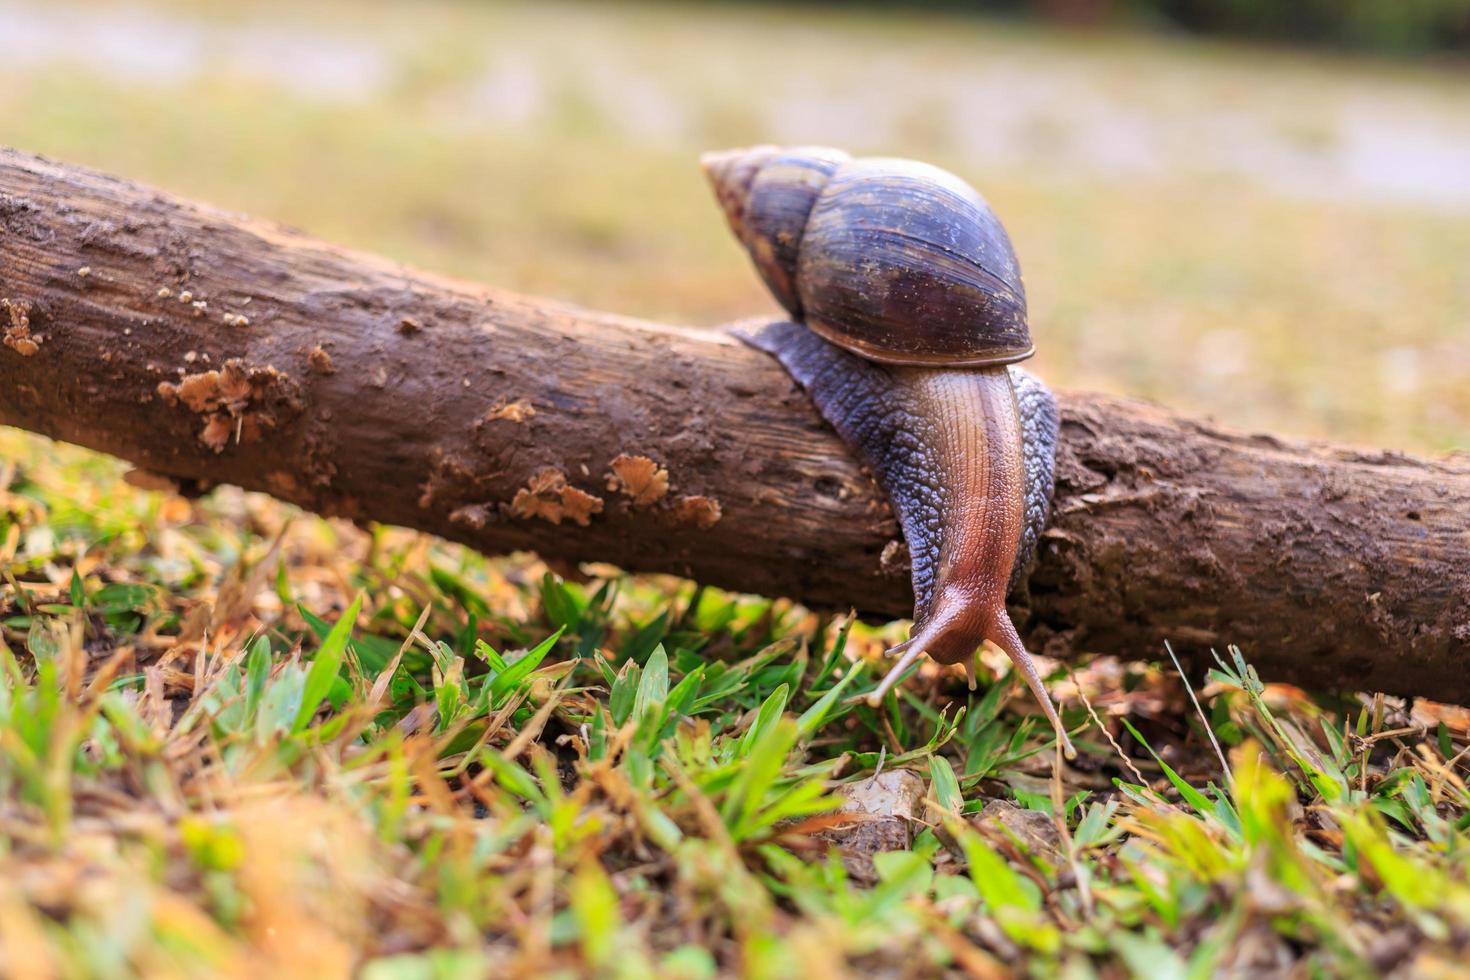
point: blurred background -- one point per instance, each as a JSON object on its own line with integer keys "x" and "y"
{"x": 1259, "y": 211}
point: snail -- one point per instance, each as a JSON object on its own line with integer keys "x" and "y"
{"x": 909, "y": 313}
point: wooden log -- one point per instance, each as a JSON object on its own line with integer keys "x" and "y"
{"x": 212, "y": 348}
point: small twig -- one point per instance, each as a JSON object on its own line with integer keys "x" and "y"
{"x": 385, "y": 676}
{"x": 1219, "y": 753}
{"x": 1395, "y": 733}
{"x": 1088, "y": 502}
{"x": 1104, "y": 729}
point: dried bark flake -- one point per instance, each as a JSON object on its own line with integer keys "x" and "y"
{"x": 320, "y": 360}
{"x": 547, "y": 495}
{"x": 518, "y": 411}
{"x": 703, "y": 512}
{"x": 638, "y": 477}
{"x": 18, "y": 336}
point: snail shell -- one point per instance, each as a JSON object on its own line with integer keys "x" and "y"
{"x": 895, "y": 260}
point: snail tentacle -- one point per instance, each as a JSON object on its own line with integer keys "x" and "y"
{"x": 898, "y": 648}
{"x": 1010, "y": 641}
{"x": 875, "y": 698}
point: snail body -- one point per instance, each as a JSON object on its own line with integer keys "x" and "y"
{"x": 909, "y": 313}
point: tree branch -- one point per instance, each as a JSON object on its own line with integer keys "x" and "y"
{"x": 216, "y": 349}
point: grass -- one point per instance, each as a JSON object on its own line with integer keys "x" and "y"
{"x": 239, "y": 740}
{"x": 236, "y": 741}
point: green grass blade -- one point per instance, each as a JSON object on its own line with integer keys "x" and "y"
{"x": 325, "y": 667}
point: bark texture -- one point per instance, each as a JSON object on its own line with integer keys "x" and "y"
{"x": 215, "y": 349}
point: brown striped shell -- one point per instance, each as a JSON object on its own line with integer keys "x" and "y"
{"x": 894, "y": 260}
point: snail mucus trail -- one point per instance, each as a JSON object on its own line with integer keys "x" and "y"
{"x": 909, "y": 315}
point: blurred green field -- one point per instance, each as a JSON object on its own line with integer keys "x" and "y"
{"x": 1276, "y": 239}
